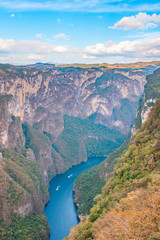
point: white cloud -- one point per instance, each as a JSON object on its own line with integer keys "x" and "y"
{"x": 70, "y": 25}
{"x": 138, "y": 22}
{"x": 125, "y": 51}
{"x": 85, "y": 56}
{"x": 145, "y": 36}
{"x": 12, "y": 15}
{"x": 79, "y": 5}
{"x": 131, "y": 49}
{"x": 30, "y": 47}
{"x": 61, "y": 36}
{"x": 5, "y": 45}
{"x": 37, "y": 57}
{"x": 61, "y": 49}
{"x": 39, "y": 36}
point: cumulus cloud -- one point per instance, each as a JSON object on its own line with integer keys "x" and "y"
{"x": 139, "y": 48}
{"x": 12, "y": 15}
{"x": 35, "y": 47}
{"x": 124, "y": 51}
{"x": 61, "y": 36}
{"x": 138, "y": 22}
{"x": 6, "y": 45}
{"x": 26, "y": 51}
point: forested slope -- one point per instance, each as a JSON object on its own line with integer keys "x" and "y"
{"x": 129, "y": 205}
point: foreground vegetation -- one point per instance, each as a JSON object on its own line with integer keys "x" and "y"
{"x": 31, "y": 227}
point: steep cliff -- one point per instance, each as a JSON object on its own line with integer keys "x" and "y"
{"x": 151, "y": 94}
{"x": 101, "y": 103}
{"x": 129, "y": 204}
{"x": 84, "y": 198}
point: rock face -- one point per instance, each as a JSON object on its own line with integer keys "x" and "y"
{"x": 151, "y": 94}
{"x": 41, "y": 98}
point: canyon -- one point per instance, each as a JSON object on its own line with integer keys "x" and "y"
{"x": 54, "y": 117}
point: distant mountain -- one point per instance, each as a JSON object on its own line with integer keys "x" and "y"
{"x": 145, "y": 67}
{"x": 40, "y": 65}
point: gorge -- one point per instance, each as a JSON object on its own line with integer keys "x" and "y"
{"x": 54, "y": 117}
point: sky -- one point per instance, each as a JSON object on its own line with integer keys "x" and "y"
{"x": 79, "y": 31}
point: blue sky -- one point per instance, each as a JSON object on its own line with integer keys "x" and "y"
{"x": 88, "y": 31}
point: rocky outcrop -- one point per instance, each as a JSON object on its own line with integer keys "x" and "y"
{"x": 151, "y": 94}
{"x": 11, "y": 134}
{"x": 104, "y": 171}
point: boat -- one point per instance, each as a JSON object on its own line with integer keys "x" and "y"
{"x": 70, "y": 176}
{"x": 57, "y": 188}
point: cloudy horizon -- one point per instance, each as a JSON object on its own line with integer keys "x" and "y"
{"x": 90, "y": 31}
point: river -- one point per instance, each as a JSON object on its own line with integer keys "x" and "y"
{"x": 61, "y": 211}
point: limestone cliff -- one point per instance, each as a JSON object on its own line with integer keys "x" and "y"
{"x": 151, "y": 94}
{"x": 45, "y": 96}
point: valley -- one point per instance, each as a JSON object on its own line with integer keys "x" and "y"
{"x": 54, "y": 117}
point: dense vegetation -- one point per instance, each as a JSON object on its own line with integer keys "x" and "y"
{"x": 82, "y": 137}
{"x": 85, "y": 190}
{"x": 90, "y": 183}
{"x": 22, "y": 183}
{"x": 35, "y": 140}
{"x": 31, "y": 227}
{"x": 129, "y": 204}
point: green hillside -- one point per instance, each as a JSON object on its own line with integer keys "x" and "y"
{"x": 82, "y": 138}
{"x": 22, "y": 184}
{"x": 136, "y": 174}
